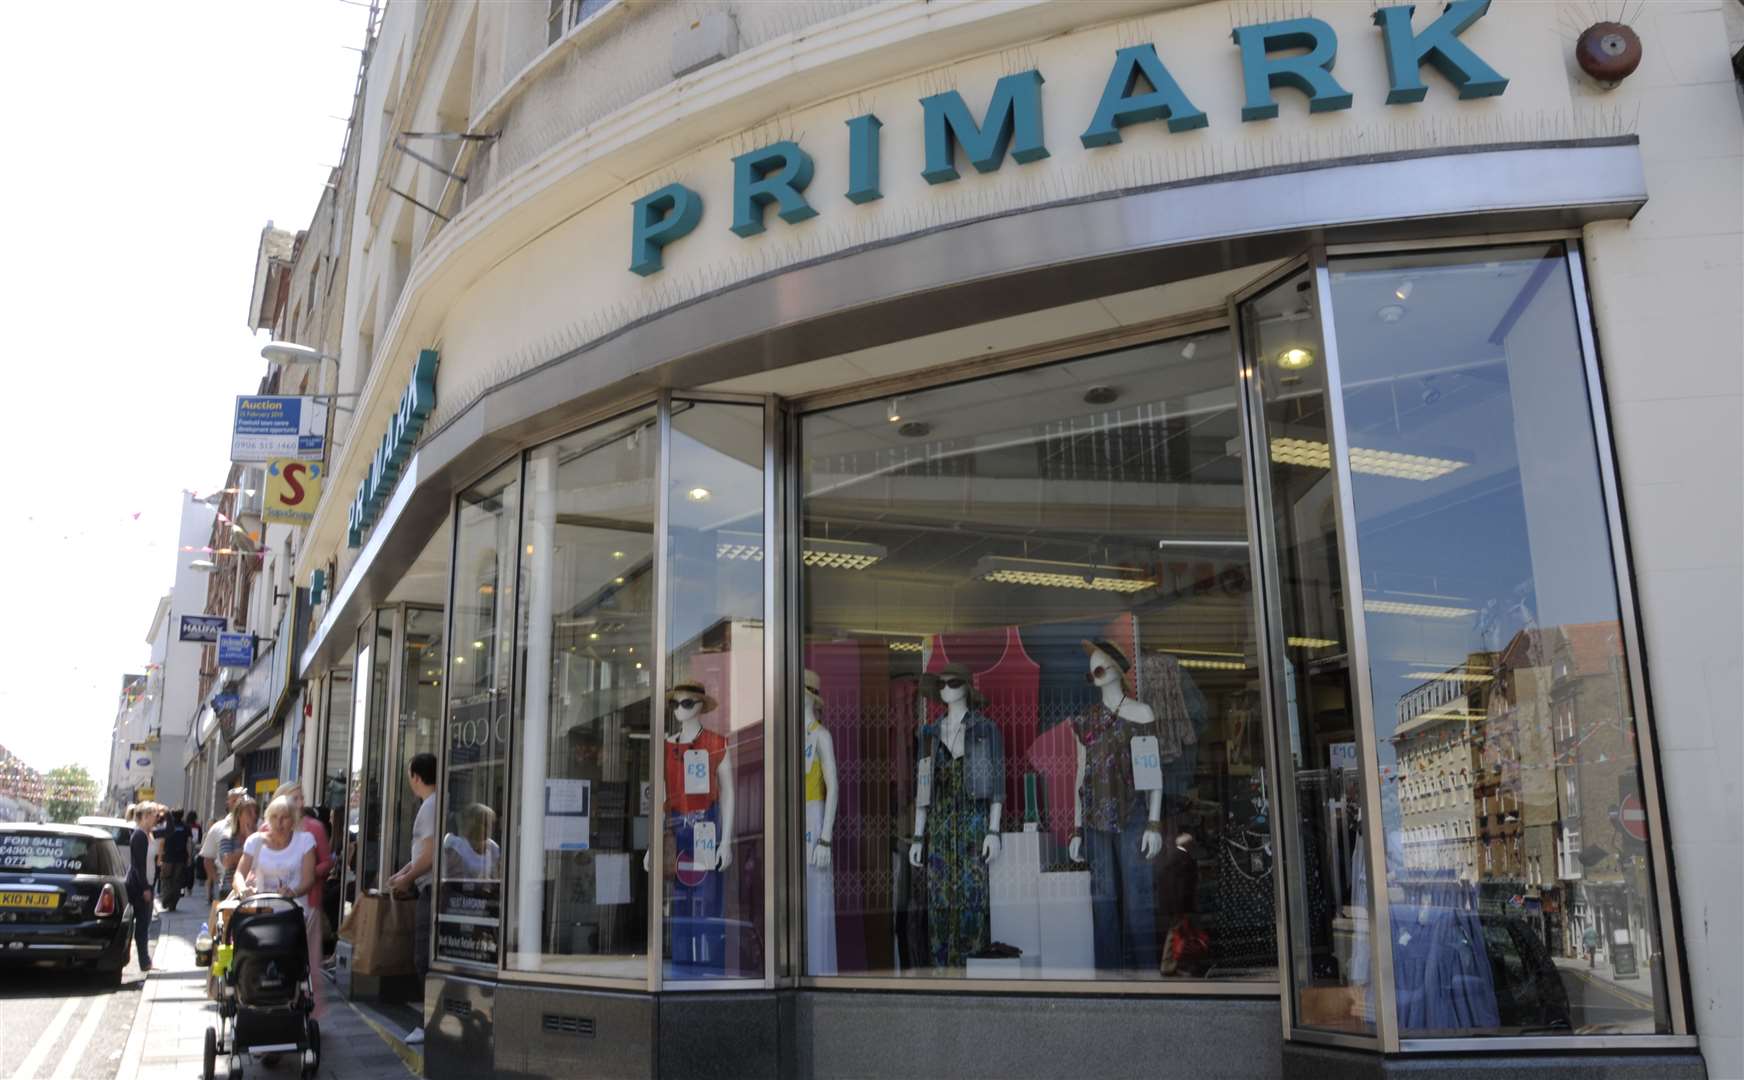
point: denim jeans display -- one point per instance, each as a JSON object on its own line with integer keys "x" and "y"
{"x": 1123, "y": 898}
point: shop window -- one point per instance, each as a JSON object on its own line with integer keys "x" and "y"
{"x": 481, "y": 665}
{"x": 578, "y": 894}
{"x": 418, "y": 718}
{"x": 1485, "y": 546}
{"x": 712, "y": 747}
{"x": 1031, "y": 686}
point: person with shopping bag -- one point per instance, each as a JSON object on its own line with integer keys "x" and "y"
{"x": 418, "y": 875}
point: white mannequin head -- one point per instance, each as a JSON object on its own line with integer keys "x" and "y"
{"x": 686, "y": 715}
{"x": 1103, "y": 670}
{"x": 950, "y": 695}
{"x": 689, "y": 701}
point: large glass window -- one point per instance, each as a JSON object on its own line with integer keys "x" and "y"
{"x": 480, "y": 682}
{"x": 1032, "y": 742}
{"x": 713, "y": 752}
{"x": 579, "y": 884}
{"x": 1326, "y": 889}
{"x": 1507, "y": 739}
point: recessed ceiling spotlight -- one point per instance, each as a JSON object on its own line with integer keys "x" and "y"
{"x": 1296, "y": 358}
{"x": 893, "y": 411}
{"x": 698, "y": 494}
{"x": 1403, "y": 292}
{"x": 915, "y": 429}
{"x": 1101, "y": 395}
{"x": 1189, "y": 349}
{"x": 1392, "y": 313}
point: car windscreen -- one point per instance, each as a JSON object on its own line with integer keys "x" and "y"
{"x": 53, "y": 853}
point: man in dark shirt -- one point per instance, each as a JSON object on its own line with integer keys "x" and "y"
{"x": 175, "y": 837}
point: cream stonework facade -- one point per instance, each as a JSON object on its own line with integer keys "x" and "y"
{"x": 533, "y": 265}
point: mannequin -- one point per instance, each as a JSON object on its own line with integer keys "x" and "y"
{"x": 1117, "y": 817}
{"x": 960, "y": 788}
{"x": 821, "y": 796}
{"x": 699, "y": 806}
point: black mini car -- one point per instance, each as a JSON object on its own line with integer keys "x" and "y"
{"x": 63, "y": 899}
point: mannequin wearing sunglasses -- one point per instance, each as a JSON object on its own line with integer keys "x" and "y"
{"x": 699, "y": 815}
{"x": 1117, "y": 815}
{"x": 689, "y": 703}
{"x": 960, "y": 786}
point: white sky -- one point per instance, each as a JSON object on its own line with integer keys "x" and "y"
{"x": 146, "y": 146}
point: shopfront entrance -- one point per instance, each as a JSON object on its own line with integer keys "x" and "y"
{"x": 1153, "y": 676}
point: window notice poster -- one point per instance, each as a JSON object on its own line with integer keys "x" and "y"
{"x": 568, "y": 806}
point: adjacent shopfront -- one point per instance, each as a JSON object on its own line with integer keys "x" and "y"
{"x": 1175, "y": 604}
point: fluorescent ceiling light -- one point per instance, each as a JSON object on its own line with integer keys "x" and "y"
{"x": 1061, "y": 575}
{"x": 905, "y": 646}
{"x": 1450, "y": 676}
{"x": 825, "y": 554}
{"x": 1313, "y": 454}
{"x": 1427, "y": 611}
{"x": 1213, "y": 665}
{"x": 1311, "y": 642}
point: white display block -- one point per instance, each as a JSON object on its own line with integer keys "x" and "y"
{"x": 1013, "y": 884}
{"x": 1012, "y": 968}
{"x": 1068, "y": 949}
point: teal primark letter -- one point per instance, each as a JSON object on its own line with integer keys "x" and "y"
{"x": 1310, "y": 72}
{"x": 1013, "y": 120}
{"x": 1119, "y": 107}
{"x": 777, "y": 173}
{"x": 1438, "y": 44}
{"x": 659, "y": 218}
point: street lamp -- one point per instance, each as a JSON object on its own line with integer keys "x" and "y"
{"x": 286, "y": 353}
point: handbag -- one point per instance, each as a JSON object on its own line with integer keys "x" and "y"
{"x": 1187, "y": 950}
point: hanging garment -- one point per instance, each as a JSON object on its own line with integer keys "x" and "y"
{"x": 1108, "y": 796}
{"x": 1012, "y": 687}
{"x": 1159, "y": 686}
{"x": 958, "y": 921}
{"x": 1244, "y": 929}
{"x": 678, "y": 800}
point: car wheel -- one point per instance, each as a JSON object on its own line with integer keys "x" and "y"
{"x": 209, "y": 1060}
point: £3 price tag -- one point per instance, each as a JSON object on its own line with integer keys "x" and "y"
{"x": 696, "y": 772}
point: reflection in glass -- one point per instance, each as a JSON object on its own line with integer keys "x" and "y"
{"x": 420, "y": 707}
{"x": 1326, "y": 892}
{"x": 375, "y": 642}
{"x": 1031, "y": 666}
{"x": 335, "y": 766}
{"x": 713, "y": 751}
{"x": 585, "y": 642}
{"x": 480, "y": 673}
{"x": 1517, "y": 846}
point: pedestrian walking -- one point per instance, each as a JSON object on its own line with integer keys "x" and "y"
{"x": 139, "y": 892}
{"x": 213, "y": 841}
{"x": 281, "y": 859}
{"x": 174, "y": 838}
{"x": 244, "y": 817}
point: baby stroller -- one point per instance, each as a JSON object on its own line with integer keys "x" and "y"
{"x": 264, "y": 992}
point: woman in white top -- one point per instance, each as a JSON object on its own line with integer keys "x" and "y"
{"x": 281, "y": 859}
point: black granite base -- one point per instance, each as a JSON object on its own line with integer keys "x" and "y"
{"x": 1304, "y": 1062}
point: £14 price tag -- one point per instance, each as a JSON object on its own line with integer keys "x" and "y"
{"x": 1147, "y": 763}
{"x": 702, "y": 845}
{"x": 696, "y": 772}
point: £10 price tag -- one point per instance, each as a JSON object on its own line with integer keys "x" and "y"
{"x": 1147, "y": 763}
{"x": 923, "y": 784}
{"x": 702, "y": 846}
{"x": 696, "y": 772}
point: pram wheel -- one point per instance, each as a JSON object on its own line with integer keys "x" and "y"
{"x": 235, "y": 1070}
{"x": 312, "y": 1055}
{"x": 209, "y": 1063}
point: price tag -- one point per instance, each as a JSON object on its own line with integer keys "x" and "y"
{"x": 923, "y": 784}
{"x": 1147, "y": 763}
{"x": 702, "y": 845}
{"x": 696, "y": 773}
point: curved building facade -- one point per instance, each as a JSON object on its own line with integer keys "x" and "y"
{"x": 1002, "y": 538}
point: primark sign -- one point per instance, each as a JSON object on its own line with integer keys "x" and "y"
{"x": 1289, "y": 54}
{"x": 396, "y": 446}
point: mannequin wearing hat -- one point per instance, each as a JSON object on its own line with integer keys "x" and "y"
{"x": 1117, "y": 815}
{"x": 699, "y": 816}
{"x": 821, "y": 797}
{"x": 960, "y": 788}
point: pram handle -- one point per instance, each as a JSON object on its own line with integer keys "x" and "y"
{"x": 265, "y": 903}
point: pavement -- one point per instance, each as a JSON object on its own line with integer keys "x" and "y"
{"x": 167, "y": 1040}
